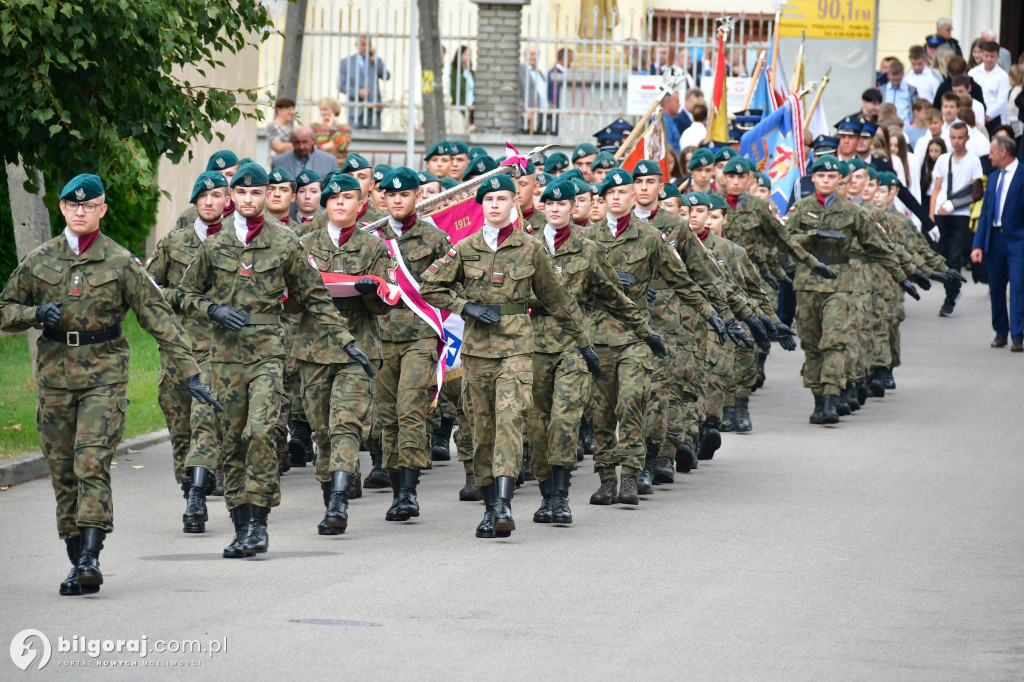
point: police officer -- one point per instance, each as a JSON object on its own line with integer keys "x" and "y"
{"x": 78, "y": 287}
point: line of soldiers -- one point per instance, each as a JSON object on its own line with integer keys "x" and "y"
{"x": 607, "y": 313}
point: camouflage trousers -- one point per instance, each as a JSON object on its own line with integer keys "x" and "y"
{"x": 733, "y": 377}
{"x": 692, "y": 378}
{"x": 291, "y": 401}
{"x": 498, "y": 395}
{"x": 823, "y": 322}
{"x": 663, "y": 410}
{"x": 884, "y": 299}
{"x": 620, "y": 398}
{"x": 245, "y": 430}
{"x": 405, "y": 389}
{"x": 858, "y": 352}
{"x": 337, "y": 399}
{"x": 449, "y": 406}
{"x": 78, "y": 431}
{"x": 561, "y": 388}
{"x": 176, "y": 404}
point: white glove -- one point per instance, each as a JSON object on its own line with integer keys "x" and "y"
{"x": 934, "y": 234}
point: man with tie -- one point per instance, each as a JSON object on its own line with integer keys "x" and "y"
{"x": 1000, "y": 241}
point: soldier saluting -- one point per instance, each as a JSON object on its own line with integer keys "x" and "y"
{"x": 78, "y": 287}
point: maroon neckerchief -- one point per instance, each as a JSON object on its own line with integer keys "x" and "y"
{"x": 504, "y": 233}
{"x": 653, "y": 213}
{"x": 821, "y": 199}
{"x": 362, "y": 211}
{"x": 86, "y": 240}
{"x": 409, "y": 221}
{"x": 229, "y": 209}
{"x": 527, "y": 214}
{"x": 344, "y": 235}
{"x": 621, "y": 224}
{"x": 582, "y": 222}
{"x": 561, "y": 236}
{"x": 254, "y": 226}
{"x": 213, "y": 228}
{"x": 703, "y": 235}
{"x": 733, "y": 201}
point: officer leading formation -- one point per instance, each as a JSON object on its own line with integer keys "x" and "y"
{"x": 606, "y": 314}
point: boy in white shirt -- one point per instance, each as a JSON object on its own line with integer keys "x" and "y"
{"x": 995, "y": 85}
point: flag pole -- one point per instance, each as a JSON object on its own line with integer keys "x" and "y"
{"x": 794, "y": 83}
{"x": 626, "y": 146}
{"x": 817, "y": 99}
{"x": 753, "y": 81}
{"x": 774, "y": 66}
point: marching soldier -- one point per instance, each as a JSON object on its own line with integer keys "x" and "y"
{"x": 438, "y": 160}
{"x": 603, "y": 162}
{"x": 460, "y": 159}
{"x": 307, "y": 197}
{"x": 583, "y": 157}
{"x": 526, "y": 187}
{"x": 78, "y": 287}
{"x": 490, "y": 278}
{"x": 224, "y": 162}
{"x": 280, "y": 195}
{"x": 376, "y": 193}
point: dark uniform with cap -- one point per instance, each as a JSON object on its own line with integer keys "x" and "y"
{"x": 78, "y": 289}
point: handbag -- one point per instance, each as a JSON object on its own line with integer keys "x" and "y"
{"x": 963, "y": 196}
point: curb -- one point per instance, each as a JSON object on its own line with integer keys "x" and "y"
{"x": 27, "y": 467}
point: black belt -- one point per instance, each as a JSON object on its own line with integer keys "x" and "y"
{"x": 542, "y": 312}
{"x": 834, "y": 260}
{"x": 82, "y": 338}
{"x": 507, "y": 308}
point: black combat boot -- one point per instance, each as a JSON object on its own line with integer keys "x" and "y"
{"x": 819, "y": 404}
{"x": 587, "y": 431}
{"x": 560, "y": 512}
{"x": 195, "y": 517}
{"x": 336, "y": 515}
{"x": 396, "y": 485}
{"x": 300, "y": 444}
{"x": 240, "y": 519}
{"x": 504, "y": 524}
{"x": 645, "y": 479}
{"x": 89, "y": 561}
{"x": 377, "y": 478}
{"x": 664, "y": 471}
{"x": 862, "y": 392}
{"x": 829, "y": 414}
{"x": 579, "y": 449}
{"x": 628, "y": 493}
{"x": 842, "y": 407}
{"x": 440, "y": 441}
{"x": 888, "y": 380}
{"x": 743, "y": 424}
{"x": 469, "y": 492}
{"x": 486, "y": 527}
{"x": 218, "y": 482}
{"x": 684, "y": 458}
{"x": 185, "y": 485}
{"x": 256, "y": 539}
{"x": 607, "y": 492}
{"x": 851, "y": 398}
{"x": 322, "y": 528}
{"x": 408, "y": 506}
{"x": 355, "y": 486}
{"x": 543, "y": 514}
{"x": 728, "y": 420}
{"x": 526, "y": 472}
{"x": 70, "y": 586}
{"x": 710, "y": 439}
{"x": 877, "y": 385}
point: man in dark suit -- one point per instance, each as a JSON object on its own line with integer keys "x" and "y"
{"x": 359, "y": 79}
{"x": 1000, "y": 242}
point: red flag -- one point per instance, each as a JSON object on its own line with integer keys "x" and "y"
{"x": 720, "y": 126}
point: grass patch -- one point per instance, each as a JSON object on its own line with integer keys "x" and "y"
{"x": 18, "y": 391}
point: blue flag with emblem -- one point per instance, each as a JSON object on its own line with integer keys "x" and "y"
{"x": 776, "y": 146}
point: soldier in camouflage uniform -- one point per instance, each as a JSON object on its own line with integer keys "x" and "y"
{"x": 359, "y": 168}
{"x": 78, "y": 287}
{"x": 224, "y": 162}
{"x": 238, "y": 280}
{"x": 172, "y": 256}
{"x": 526, "y": 188}
{"x": 500, "y": 270}
{"x": 336, "y": 392}
{"x": 561, "y": 382}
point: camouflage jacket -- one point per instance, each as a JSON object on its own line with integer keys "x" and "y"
{"x": 879, "y": 219}
{"x": 752, "y": 223}
{"x": 171, "y": 258}
{"x": 589, "y": 278}
{"x": 903, "y": 229}
{"x": 253, "y": 278}
{"x": 420, "y": 245}
{"x": 362, "y": 254}
{"x": 97, "y": 289}
{"x": 536, "y": 221}
{"x": 735, "y": 260}
{"x": 517, "y": 273}
{"x": 319, "y": 221}
{"x": 769, "y": 232}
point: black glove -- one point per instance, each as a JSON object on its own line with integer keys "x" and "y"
{"x": 910, "y": 289}
{"x": 738, "y": 336}
{"x": 480, "y": 313}
{"x": 769, "y": 326}
{"x": 943, "y": 277}
{"x": 759, "y": 333}
{"x": 226, "y": 316}
{"x": 626, "y": 278}
{"x": 771, "y": 281}
{"x": 716, "y": 323}
{"x": 360, "y": 357}
{"x": 921, "y": 279}
{"x": 822, "y": 270}
{"x": 956, "y": 274}
{"x": 657, "y": 345}
{"x": 785, "y": 336}
{"x": 48, "y": 314}
{"x": 366, "y": 285}
{"x": 593, "y": 364}
{"x": 201, "y": 393}
{"x": 651, "y": 294}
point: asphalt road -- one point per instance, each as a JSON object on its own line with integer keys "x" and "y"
{"x": 886, "y": 548}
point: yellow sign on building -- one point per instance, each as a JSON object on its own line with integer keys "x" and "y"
{"x": 835, "y": 19}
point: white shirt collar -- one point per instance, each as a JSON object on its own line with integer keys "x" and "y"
{"x": 491, "y": 236}
{"x": 334, "y": 233}
{"x": 549, "y": 237}
{"x": 613, "y": 223}
{"x": 642, "y": 214}
{"x": 202, "y": 229}
{"x": 396, "y": 225}
{"x": 241, "y": 227}
{"x": 72, "y": 240}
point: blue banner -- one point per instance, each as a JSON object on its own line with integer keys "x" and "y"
{"x": 775, "y": 145}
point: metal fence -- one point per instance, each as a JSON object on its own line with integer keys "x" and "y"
{"x": 358, "y": 53}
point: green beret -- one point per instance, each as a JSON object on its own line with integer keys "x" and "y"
{"x": 604, "y": 160}
{"x": 545, "y": 179}
{"x": 825, "y": 164}
{"x": 584, "y": 149}
{"x": 307, "y": 177}
{"x": 616, "y": 177}
{"x": 669, "y": 190}
{"x": 872, "y": 173}
{"x": 477, "y": 151}
{"x": 379, "y": 171}
{"x": 716, "y": 201}
{"x": 724, "y": 154}
{"x": 763, "y": 180}
{"x": 495, "y": 184}
{"x": 559, "y": 190}
{"x": 556, "y": 162}
{"x": 439, "y": 149}
{"x": 207, "y": 180}
{"x": 572, "y": 173}
{"x": 279, "y": 176}
{"x": 448, "y": 183}
{"x": 457, "y": 147}
{"x": 844, "y": 168}
{"x": 856, "y": 164}
{"x": 82, "y": 188}
{"x": 400, "y": 179}
{"x": 888, "y": 179}
{"x": 737, "y": 165}
{"x": 646, "y": 167}
{"x": 696, "y": 199}
{"x": 702, "y": 157}
{"x": 244, "y": 160}
{"x": 225, "y": 158}
{"x": 250, "y": 175}
{"x": 342, "y": 182}
{"x": 353, "y": 163}
{"x": 479, "y": 166}
{"x": 582, "y": 186}
{"x": 427, "y": 176}
{"x": 543, "y": 160}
